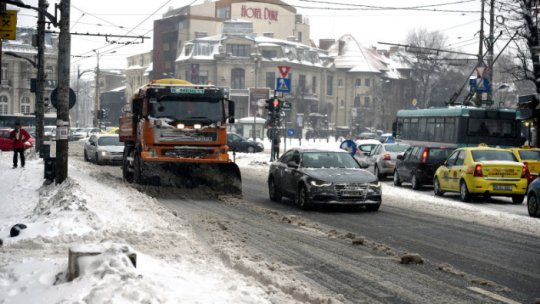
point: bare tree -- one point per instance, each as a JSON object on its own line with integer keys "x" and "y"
{"x": 429, "y": 61}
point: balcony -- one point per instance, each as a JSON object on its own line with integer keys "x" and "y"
{"x": 5, "y": 83}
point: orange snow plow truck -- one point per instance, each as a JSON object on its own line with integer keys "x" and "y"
{"x": 175, "y": 134}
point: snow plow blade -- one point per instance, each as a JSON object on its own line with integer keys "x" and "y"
{"x": 219, "y": 177}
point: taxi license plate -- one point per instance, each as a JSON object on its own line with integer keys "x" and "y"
{"x": 502, "y": 187}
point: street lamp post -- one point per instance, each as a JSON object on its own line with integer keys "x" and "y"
{"x": 96, "y": 97}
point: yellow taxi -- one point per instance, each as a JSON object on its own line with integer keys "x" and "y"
{"x": 530, "y": 157}
{"x": 482, "y": 171}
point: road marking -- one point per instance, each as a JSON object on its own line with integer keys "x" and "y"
{"x": 493, "y": 295}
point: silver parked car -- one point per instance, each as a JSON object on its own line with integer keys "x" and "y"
{"x": 104, "y": 148}
{"x": 382, "y": 159}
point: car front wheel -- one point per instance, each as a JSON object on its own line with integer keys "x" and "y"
{"x": 273, "y": 192}
{"x": 302, "y": 199}
{"x": 397, "y": 181}
{"x": 532, "y": 205}
{"x": 437, "y": 187}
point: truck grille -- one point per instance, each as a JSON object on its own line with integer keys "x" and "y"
{"x": 188, "y": 152}
{"x": 184, "y": 136}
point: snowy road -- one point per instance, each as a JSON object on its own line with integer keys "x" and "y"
{"x": 471, "y": 252}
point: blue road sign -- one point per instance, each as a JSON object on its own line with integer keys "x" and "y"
{"x": 283, "y": 85}
{"x": 290, "y": 132}
{"x": 349, "y": 146}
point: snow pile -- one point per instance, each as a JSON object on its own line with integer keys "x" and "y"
{"x": 93, "y": 208}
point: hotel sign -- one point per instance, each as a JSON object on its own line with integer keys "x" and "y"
{"x": 259, "y": 13}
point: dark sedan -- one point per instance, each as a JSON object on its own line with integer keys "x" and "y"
{"x": 313, "y": 176}
{"x": 241, "y": 144}
{"x": 533, "y": 198}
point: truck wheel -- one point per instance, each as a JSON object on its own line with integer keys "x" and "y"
{"x": 128, "y": 175}
{"x": 137, "y": 172}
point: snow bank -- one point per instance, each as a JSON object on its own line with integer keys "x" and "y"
{"x": 95, "y": 208}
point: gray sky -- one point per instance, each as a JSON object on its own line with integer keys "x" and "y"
{"x": 366, "y": 24}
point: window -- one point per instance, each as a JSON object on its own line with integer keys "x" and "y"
{"x": 340, "y": 83}
{"x": 461, "y": 158}
{"x": 358, "y": 82}
{"x": 314, "y": 85}
{"x": 203, "y": 49}
{"x": 25, "y": 105}
{"x": 3, "y": 104}
{"x": 452, "y": 159}
{"x": 238, "y": 80}
{"x": 203, "y": 77}
{"x": 414, "y": 154}
{"x": 302, "y": 83}
{"x": 4, "y": 71}
{"x": 269, "y": 54}
{"x": 367, "y": 101}
{"x": 224, "y": 12}
{"x": 200, "y": 34}
{"x": 300, "y": 36}
{"x": 270, "y": 79}
{"x": 329, "y": 85}
{"x": 238, "y": 50}
{"x": 357, "y": 101}
{"x": 367, "y": 82}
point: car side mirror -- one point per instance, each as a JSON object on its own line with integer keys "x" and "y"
{"x": 292, "y": 164}
{"x": 363, "y": 165}
{"x": 400, "y": 156}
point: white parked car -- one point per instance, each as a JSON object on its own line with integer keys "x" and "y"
{"x": 104, "y": 148}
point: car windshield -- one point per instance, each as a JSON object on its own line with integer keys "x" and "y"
{"x": 529, "y": 154}
{"x": 485, "y": 155}
{"x": 109, "y": 141}
{"x": 396, "y": 148}
{"x": 439, "y": 153}
{"x": 328, "y": 160}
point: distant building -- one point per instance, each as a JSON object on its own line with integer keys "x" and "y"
{"x": 271, "y": 18}
{"x": 138, "y": 71}
{"x": 15, "y": 94}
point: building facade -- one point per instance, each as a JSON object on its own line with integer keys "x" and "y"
{"x": 19, "y": 67}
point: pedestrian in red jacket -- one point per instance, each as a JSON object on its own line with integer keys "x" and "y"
{"x": 19, "y": 137}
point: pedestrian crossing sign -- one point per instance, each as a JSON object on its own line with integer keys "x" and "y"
{"x": 283, "y": 85}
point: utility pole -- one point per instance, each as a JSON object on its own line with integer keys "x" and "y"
{"x": 481, "y": 52}
{"x": 96, "y": 98}
{"x": 62, "y": 120}
{"x": 490, "y": 49}
{"x": 40, "y": 83}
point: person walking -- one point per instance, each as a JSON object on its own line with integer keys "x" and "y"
{"x": 19, "y": 137}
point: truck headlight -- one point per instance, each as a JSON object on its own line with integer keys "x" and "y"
{"x": 180, "y": 126}
{"x": 317, "y": 183}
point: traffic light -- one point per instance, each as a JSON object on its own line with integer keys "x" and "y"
{"x": 277, "y": 104}
{"x": 270, "y": 106}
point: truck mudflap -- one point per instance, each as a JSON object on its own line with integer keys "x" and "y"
{"x": 219, "y": 177}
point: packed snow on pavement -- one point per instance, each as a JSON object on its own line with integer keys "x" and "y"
{"x": 95, "y": 209}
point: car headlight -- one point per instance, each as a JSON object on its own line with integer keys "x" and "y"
{"x": 104, "y": 153}
{"x": 316, "y": 183}
{"x": 375, "y": 184}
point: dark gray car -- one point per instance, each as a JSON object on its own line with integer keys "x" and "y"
{"x": 313, "y": 176}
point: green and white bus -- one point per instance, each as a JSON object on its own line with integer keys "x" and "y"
{"x": 460, "y": 126}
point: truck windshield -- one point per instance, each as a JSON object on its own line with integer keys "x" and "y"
{"x": 206, "y": 111}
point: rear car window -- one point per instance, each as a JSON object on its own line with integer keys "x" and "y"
{"x": 109, "y": 141}
{"x": 529, "y": 155}
{"x": 484, "y": 155}
{"x": 396, "y": 148}
{"x": 439, "y": 153}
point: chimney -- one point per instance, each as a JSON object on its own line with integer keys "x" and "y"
{"x": 341, "y": 46}
{"x": 324, "y": 44}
